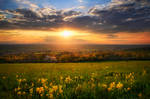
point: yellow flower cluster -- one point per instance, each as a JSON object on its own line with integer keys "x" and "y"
{"x": 39, "y": 90}
{"x": 54, "y": 89}
{"x": 43, "y": 80}
{"x": 119, "y": 85}
{"x": 21, "y": 80}
{"x": 31, "y": 91}
{"x": 68, "y": 79}
{"x": 111, "y": 86}
{"x": 60, "y": 89}
{"x": 21, "y": 93}
{"x": 17, "y": 89}
{"x": 130, "y": 76}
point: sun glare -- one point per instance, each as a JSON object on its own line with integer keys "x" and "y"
{"x": 66, "y": 33}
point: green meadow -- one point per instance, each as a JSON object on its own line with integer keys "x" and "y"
{"x": 95, "y": 80}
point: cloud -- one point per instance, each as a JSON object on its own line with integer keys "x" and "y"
{"x": 112, "y": 36}
{"x": 45, "y": 18}
{"x": 68, "y": 15}
{"x": 81, "y": 7}
{"x": 58, "y": 40}
{"x": 115, "y": 17}
{"x": 27, "y": 4}
{"x": 81, "y": 1}
{"x": 28, "y": 19}
{"x": 125, "y": 15}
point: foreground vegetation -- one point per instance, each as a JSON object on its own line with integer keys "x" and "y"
{"x": 106, "y": 80}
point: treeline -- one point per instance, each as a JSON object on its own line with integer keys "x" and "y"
{"x": 81, "y": 56}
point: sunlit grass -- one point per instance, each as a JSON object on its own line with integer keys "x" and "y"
{"x": 75, "y": 80}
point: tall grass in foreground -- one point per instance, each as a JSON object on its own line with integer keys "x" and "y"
{"x": 106, "y": 80}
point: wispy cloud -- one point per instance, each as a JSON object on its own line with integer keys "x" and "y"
{"x": 27, "y": 4}
{"x": 81, "y": 1}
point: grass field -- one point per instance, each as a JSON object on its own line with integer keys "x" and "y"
{"x": 103, "y": 80}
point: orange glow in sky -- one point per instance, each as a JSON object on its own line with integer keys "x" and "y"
{"x": 66, "y": 33}
{"x": 71, "y": 36}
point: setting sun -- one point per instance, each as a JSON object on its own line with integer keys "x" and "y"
{"x": 66, "y": 33}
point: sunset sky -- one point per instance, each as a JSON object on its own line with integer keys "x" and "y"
{"x": 74, "y": 21}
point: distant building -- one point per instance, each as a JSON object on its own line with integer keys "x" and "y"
{"x": 50, "y": 58}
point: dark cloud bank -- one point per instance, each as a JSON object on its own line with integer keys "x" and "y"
{"x": 118, "y": 16}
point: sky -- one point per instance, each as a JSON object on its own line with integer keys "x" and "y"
{"x": 88, "y": 21}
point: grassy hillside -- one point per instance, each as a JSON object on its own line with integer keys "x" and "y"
{"x": 122, "y": 79}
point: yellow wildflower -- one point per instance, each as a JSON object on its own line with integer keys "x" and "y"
{"x": 4, "y": 77}
{"x": 43, "y": 80}
{"x": 17, "y": 76}
{"x": 17, "y": 89}
{"x": 61, "y": 77}
{"x": 112, "y": 85}
{"x": 104, "y": 85}
{"x": 24, "y": 80}
{"x": 76, "y": 77}
{"x": 55, "y": 88}
{"x": 51, "y": 84}
{"x": 92, "y": 79}
{"x": 92, "y": 85}
{"x": 23, "y": 93}
{"x": 78, "y": 87}
{"x": 109, "y": 89}
{"x": 19, "y": 93}
{"x": 32, "y": 84}
{"x": 39, "y": 90}
{"x": 68, "y": 79}
{"x": 60, "y": 89}
{"x": 39, "y": 80}
{"x": 93, "y": 75}
{"x": 51, "y": 90}
{"x": 128, "y": 88}
{"x": 119, "y": 85}
{"x": 19, "y": 80}
{"x": 47, "y": 95}
{"x": 45, "y": 87}
{"x": 51, "y": 96}
{"x": 140, "y": 94}
{"x": 31, "y": 90}
{"x": 81, "y": 77}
